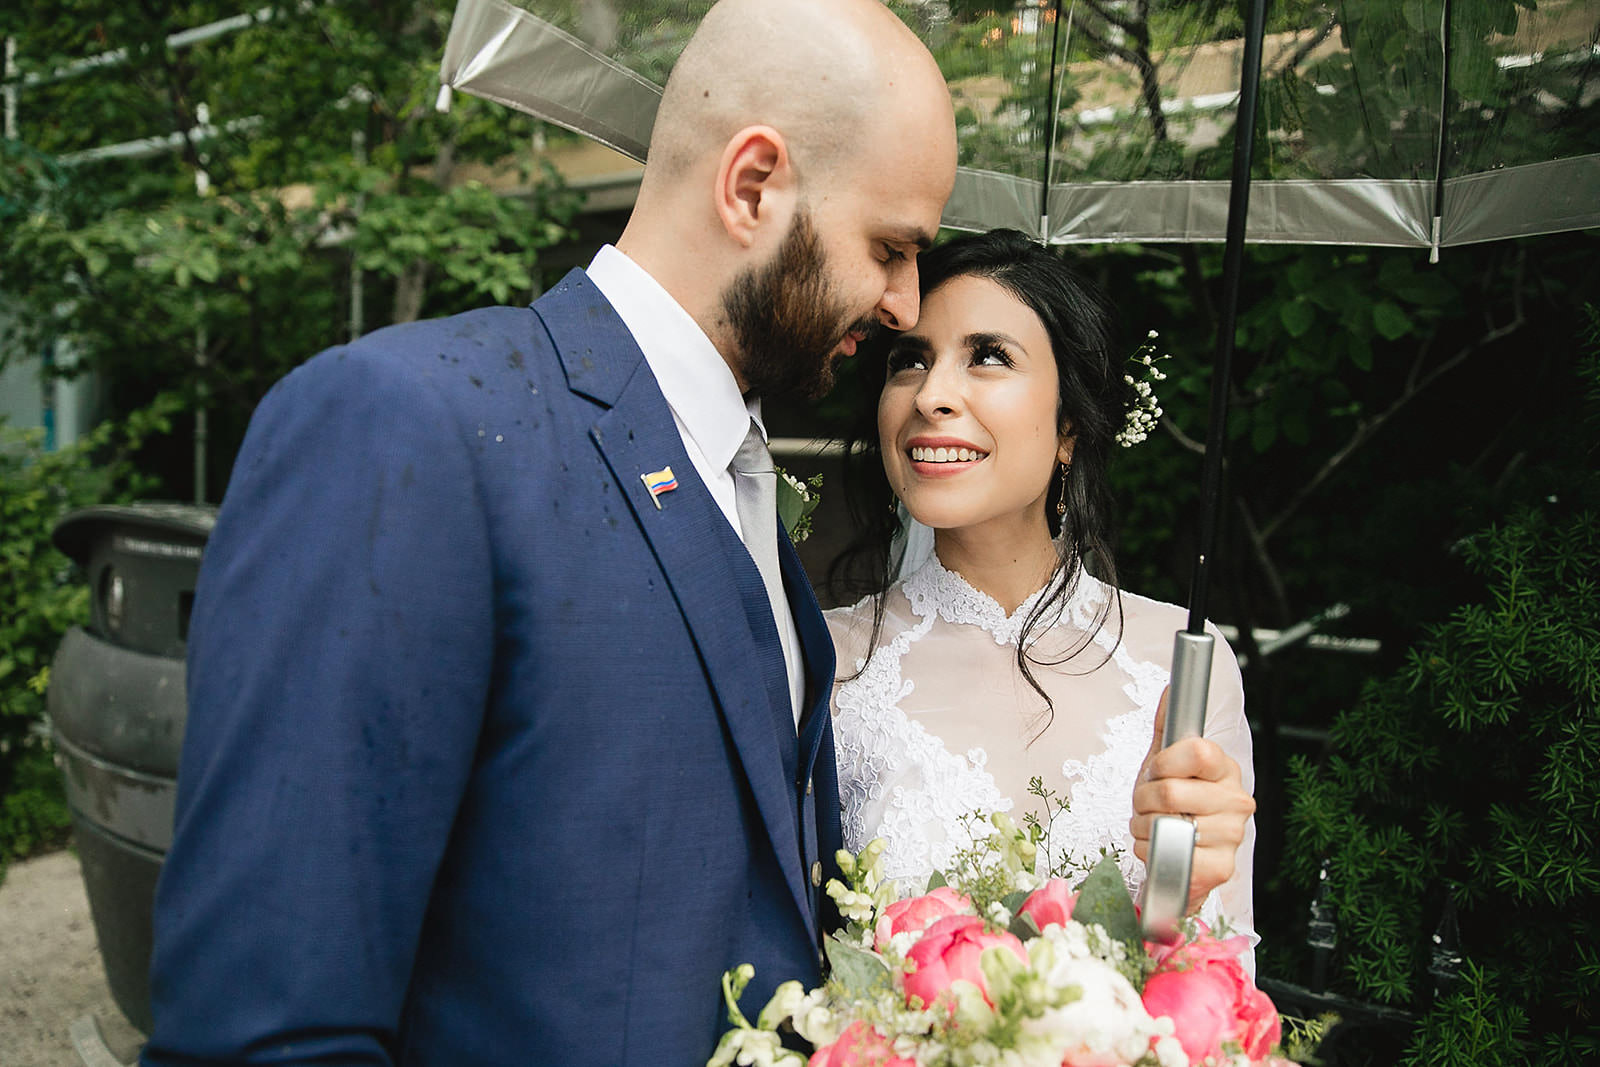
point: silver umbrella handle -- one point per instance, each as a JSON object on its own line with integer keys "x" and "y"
{"x": 1165, "y": 897}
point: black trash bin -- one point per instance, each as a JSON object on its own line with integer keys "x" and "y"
{"x": 117, "y": 709}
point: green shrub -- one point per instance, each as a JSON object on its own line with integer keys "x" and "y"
{"x": 1469, "y": 776}
{"x": 43, "y": 597}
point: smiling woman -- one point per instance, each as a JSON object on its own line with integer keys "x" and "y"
{"x": 1000, "y": 675}
{"x": 969, "y": 420}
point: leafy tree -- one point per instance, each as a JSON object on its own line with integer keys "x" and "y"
{"x": 310, "y": 156}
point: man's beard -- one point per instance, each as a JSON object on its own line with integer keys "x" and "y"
{"x": 785, "y": 321}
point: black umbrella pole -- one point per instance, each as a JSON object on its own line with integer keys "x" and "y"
{"x": 1191, "y": 653}
{"x": 1232, "y": 266}
{"x": 1164, "y": 898}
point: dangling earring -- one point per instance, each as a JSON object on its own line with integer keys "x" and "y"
{"x": 1061, "y": 501}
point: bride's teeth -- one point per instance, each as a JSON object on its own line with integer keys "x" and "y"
{"x": 920, "y": 454}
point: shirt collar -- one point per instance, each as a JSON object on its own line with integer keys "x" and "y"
{"x": 695, "y": 379}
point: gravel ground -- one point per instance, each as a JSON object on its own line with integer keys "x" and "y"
{"x": 50, "y": 972}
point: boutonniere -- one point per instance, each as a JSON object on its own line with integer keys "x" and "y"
{"x": 796, "y": 501}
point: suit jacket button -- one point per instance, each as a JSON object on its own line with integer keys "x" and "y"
{"x": 816, "y": 873}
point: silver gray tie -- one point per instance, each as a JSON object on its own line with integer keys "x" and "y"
{"x": 755, "y": 494}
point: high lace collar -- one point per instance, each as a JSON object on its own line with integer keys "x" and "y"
{"x": 934, "y": 589}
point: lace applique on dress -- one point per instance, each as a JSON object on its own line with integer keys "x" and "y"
{"x": 897, "y": 781}
{"x": 933, "y": 590}
{"x": 1101, "y": 787}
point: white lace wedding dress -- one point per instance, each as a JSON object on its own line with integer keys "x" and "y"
{"x": 939, "y": 723}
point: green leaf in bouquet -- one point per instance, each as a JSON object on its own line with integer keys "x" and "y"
{"x": 936, "y": 881}
{"x": 1103, "y": 900}
{"x": 861, "y": 973}
{"x": 1023, "y": 927}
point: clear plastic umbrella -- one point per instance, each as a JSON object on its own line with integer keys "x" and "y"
{"x": 1425, "y": 123}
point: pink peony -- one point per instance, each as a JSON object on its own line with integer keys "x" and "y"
{"x": 918, "y": 913}
{"x": 949, "y": 951}
{"x": 859, "y": 1046}
{"x": 1050, "y": 903}
{"x": 1203, "y": 988}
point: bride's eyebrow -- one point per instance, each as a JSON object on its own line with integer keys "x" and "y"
{"x": 910, "y": 343}
{"x": 988, "y": 338}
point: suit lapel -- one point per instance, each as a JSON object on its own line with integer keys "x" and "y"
{"x": 636, "y": 435}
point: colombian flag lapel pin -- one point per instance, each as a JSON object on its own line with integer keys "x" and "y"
{"x": 658, "y": 482}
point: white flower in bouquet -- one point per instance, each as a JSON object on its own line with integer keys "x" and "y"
{"x": 1105, "y": 1025}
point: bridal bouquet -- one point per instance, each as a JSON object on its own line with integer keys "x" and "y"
{"x": 993, "y": 965}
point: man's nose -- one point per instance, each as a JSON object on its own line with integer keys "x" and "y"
{"x": 898, "y": 307}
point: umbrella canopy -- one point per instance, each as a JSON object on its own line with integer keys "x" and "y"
{"x": 1425, "y": 123}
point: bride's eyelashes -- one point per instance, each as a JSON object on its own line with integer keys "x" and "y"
{"x": 906, "y": 358}
{"x": 983, "y": 352}
{"x": 991, "y": 354}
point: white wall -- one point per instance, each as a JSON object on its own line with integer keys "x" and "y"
{"x": 65, "y": 409}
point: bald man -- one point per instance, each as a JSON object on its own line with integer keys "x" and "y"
{"x": 508, "y": 700}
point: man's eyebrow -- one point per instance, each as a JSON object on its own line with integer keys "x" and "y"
{"x": 912, "y": 236}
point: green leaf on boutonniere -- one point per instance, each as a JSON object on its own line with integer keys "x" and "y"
{"x": 1103, "y": 900}
{"x": 861, "y": 973}
{"x": 796, "y": 501}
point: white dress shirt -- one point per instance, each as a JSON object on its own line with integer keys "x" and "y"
{"x": 711, "y": 414}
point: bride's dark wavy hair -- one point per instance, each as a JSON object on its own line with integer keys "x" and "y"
{"x": 1092, "y": 399}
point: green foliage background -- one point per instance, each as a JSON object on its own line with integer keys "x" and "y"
{"x": 215, "y": 286}
{"x": 1467, "y": 776}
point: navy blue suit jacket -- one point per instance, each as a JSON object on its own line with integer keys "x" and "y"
{"x": 489, "y": 760}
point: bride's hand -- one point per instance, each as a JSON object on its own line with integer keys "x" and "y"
{"x": 1193, "y": 778}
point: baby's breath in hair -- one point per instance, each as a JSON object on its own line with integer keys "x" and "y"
{"x": 1145, "y": 409}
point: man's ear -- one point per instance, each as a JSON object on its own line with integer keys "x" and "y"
{"x": 755, "y": 184}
